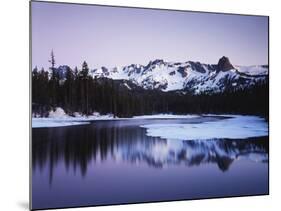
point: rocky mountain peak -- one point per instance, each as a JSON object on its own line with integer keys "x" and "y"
{"x": 224, "y": 64}
{"x": 156, "y": 61}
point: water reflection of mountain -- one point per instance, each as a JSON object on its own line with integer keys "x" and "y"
{"x": 196, "y": 152}
{"x": 76, "y": 147}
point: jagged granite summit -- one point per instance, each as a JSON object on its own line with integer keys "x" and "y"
{"x": 224, "y": 64}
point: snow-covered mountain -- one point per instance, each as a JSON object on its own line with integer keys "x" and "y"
{"x": 192, "y": 76}
{"x": 187, "y": 76}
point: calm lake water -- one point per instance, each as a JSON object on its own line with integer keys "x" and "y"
{"x": 113, "y": 162}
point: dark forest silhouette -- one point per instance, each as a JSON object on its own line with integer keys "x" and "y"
{"x": 80, "y": 92}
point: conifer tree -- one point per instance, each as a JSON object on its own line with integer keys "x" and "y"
{"x": 54, "y": 81}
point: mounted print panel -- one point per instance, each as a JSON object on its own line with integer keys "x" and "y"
{"x": 135, "y": 105}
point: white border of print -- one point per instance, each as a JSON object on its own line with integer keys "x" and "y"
{"x": 14, "y": 106}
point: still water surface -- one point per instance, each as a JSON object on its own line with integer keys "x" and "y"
{"x": 113, "y": 162}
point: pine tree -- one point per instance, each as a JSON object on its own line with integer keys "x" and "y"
{"x": 52, "y": 61}
{"x": 84, "y": 88}
{"x": 68, "y": 89}
{"x": 54, "y": 81}
{"x": 35, "y": 85}
{"x": 85, "y": 70}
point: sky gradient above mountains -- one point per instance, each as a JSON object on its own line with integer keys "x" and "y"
{"x": 112, "y": 36}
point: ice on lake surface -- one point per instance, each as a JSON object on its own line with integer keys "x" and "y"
{"x": 236, "y": 126}
{"x": 220, "y": 126}
{"x": 138, "y": 160}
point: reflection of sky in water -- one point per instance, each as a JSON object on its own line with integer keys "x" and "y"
{"x": 112, "y": 162}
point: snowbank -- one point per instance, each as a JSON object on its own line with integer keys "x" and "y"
{"x": 59, "y": 118}
{"x": 234, "y": 128}
{"x": 58, "y": 113}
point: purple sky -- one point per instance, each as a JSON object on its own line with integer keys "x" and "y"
{"x": 112, "y": 36}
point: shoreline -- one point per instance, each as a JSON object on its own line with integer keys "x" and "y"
{"x": 48, "y": 122}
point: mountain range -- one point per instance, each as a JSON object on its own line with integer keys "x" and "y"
{"x": 188, "y": 76}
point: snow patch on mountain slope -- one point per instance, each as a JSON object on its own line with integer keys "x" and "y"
{"x": 253, "y": 70}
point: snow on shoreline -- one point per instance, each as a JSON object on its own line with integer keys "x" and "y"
{"x": 65, "y": 120}
{"x": 55, "y": 122}
{"x": 233, "y": 127}
{"x": 236, "y": 127}
{"x": 58, "y": 118}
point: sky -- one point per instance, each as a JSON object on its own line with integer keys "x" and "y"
{"x": 115, "y": 36}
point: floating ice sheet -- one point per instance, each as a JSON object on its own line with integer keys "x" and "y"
{"x": 235, "y": 127}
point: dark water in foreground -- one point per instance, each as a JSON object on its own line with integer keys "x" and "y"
{"x": 112, "y": 162}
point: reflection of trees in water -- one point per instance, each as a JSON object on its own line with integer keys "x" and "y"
{"x": 79, "y": 145}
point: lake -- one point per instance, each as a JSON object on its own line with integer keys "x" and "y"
{"x": 116, "y": 161}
